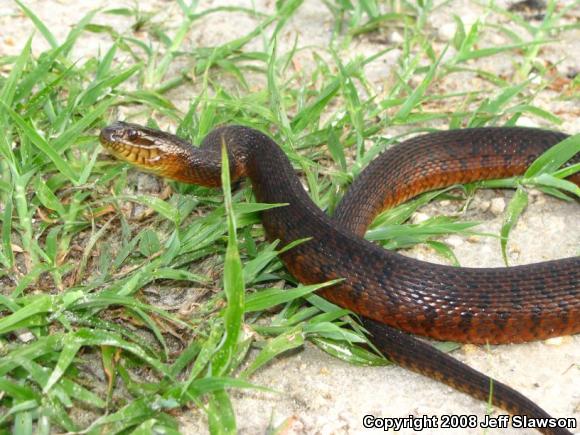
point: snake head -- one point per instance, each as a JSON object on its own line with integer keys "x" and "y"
{"x": 119, "y": 132}
{"x": 160, "y": 153}
{"x": 150, "y": 150}
{"x": 131, "y": 142}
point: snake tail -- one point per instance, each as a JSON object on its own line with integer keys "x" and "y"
{"x": 422, "y": 358}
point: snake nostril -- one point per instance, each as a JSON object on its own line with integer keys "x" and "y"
{"x": 108, "y": 135}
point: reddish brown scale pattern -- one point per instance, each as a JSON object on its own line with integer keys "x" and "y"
{"x": 471, "y": 305}
{"x": 438, "y": 160}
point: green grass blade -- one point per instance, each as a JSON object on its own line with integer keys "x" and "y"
{"x": 42, "y": 144}
{"x": 71, "y": 135}
{"x": 555, "y": 157}
{"x": 291, "y": 339}
{"x": 419, "y": 92}
{"x": 514, "y": 209}
{"x": 269, "y": 298}
{"x": 233, "y": 280}
{"x": 39, "y": 25}
{"x": 7, "y": 251}
{"x": 221, "y": 416}
{"x": 86, "y": 337}
{"x": 41, "y": 304}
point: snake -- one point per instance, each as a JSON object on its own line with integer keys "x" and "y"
{"x": 396, "y": 297}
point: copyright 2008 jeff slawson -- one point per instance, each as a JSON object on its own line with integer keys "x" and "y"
{"x": 425, "y": 422}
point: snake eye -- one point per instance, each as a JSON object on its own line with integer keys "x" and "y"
{"x": 132, "y": 134}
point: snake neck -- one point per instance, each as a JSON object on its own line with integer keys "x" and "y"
{"x": 274, "y": 181}
{"x": 252, "y": 154}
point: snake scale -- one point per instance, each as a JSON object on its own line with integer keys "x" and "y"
{"x": 396, "y": 295}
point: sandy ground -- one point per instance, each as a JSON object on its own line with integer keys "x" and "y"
{"x": 321, "y": 394}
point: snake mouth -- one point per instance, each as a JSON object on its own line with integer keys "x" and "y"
{"x": 132, "y": 144}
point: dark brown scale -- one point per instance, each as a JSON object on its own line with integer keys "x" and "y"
{"x": 487, "y": 305}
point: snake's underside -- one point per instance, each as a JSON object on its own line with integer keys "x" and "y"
{"x": 394, "y": 293}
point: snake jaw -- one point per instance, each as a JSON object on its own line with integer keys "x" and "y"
{"x": 134, "y": 146}
{"x": 149, "y": 150}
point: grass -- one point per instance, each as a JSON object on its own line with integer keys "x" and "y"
{"x": 88, "y": 321}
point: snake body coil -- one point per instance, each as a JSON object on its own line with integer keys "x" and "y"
{"x": 491, "y": 305}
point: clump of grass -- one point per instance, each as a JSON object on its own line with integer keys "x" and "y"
{"x": 75, "y": 268}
